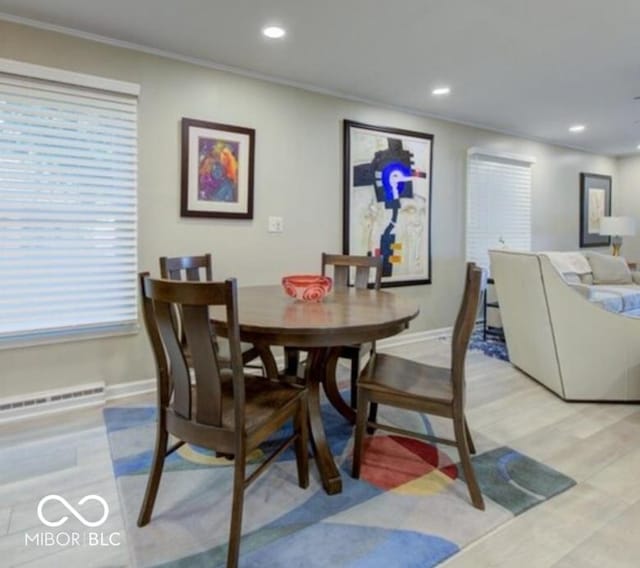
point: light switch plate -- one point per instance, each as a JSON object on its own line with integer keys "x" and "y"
{"x": 275, "y": 225}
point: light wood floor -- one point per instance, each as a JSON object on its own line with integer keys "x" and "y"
{"x": 594, "y": 524}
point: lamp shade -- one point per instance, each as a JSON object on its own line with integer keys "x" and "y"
{"x": 618, "y": 226}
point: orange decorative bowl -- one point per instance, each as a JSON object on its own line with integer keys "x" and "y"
{"x": 307, "y": 287}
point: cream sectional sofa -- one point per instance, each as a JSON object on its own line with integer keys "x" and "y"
{"x": 568, "y": 329}
{"x": 603, "y": 279}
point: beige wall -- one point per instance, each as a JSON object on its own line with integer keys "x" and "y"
{"x": 298, "y": 176}
{"x": 626, "y": 201}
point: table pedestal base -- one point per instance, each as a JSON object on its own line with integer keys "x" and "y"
{"x": 315, "y": 371}
{"x": 319, "y": 370}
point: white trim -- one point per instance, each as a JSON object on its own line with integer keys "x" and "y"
{"x": 145, "y": 386}
{"x": 475, "y": 151}
{"x": 50, "y": 402}
{"x": 23, "y": 69}
{"x": 50, "y": 393}
{"x": 134, "y": 388}
{"x": 280, "y": 81}
{"x": 35, "y": 412}
{"x": 414, "y": 337}
{"x": 35, "y": 339}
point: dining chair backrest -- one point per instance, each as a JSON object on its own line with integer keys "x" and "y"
{"x": 190, "y": 268}
{"x": 342, "y": 265}
{"x": 159, "y": 298}
{"x": 463, "y": 328}
{"x": 186, "y": 268}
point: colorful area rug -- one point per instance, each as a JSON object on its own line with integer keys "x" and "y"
{"x": 410, "y": 508}
{"x": 491, "y": 347}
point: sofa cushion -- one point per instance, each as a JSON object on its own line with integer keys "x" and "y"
{"x": 610, "y": 301}
{"x": 629, "y": 295}
{"x": 609, "y": 269}
{"x": 568, "y": 261}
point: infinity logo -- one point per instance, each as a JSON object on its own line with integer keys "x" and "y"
{"x": 73, "y": 511}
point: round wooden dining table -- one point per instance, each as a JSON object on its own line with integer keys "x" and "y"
{"x": 346, "y": 317}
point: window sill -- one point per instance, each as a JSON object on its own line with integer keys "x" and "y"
{"x": 67, "y": 336}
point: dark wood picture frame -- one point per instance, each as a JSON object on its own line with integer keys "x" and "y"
{"x": 589, "y": 184}
{"x": 370, "y": 175}
{"x": 223, "y": 186}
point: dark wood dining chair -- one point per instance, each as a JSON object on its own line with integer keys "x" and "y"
{"x": 367, "y": 274}
{"x": 196, "y": 269}
{"x": 191, "y": 268}
{"x": 402, "y": 383}
{"x": 365, "y": 267}
{"x": 225, "y": 410}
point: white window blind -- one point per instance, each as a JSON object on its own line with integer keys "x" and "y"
{"x": 498, "y": 204}
{"x": 68, "y": 178}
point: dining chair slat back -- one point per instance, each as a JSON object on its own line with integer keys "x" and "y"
{"x": 368, "y": 274}
{"x": 406, "y": 384}
{"x": 187, "y": 268}
{"x": 173, "y": 268}
{"x": 193, "y": 299}
{"x": 224, "y": 411}
{"x": 365, "y": 267}
{"x": 198, "y": 268}
{"x": 463, "y": 328}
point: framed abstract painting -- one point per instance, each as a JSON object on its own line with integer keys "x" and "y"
{"x": 217, "y": 170}
{"x": 387, "y": 200}
{"x": 595, "y": 203}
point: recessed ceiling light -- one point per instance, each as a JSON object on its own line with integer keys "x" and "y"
{"x": 577, "y": 128}
{"x": 273, "y": 32}
{"x": 441, "y": 91}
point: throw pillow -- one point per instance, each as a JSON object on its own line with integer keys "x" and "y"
{"x": 609, "y": 269}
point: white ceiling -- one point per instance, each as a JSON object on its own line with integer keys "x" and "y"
{"x": 527, "y": 67}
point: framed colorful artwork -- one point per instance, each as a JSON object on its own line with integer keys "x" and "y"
{"x": 595, "y": 203}
{"x": 387, "y": 200}
{"x": 217, "y": 170}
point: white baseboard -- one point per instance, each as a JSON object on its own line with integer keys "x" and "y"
{"x": 122, "y": 390}
{"x": 35, "y": 405}
{"x": 414, "y": 337}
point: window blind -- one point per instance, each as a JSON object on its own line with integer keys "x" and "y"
{"x": 68, "y": 179}
{"x": 498, "y": 204}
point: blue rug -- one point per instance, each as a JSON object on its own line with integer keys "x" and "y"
{"x": 491, "y": 347}
{"x": 410, "y": 508}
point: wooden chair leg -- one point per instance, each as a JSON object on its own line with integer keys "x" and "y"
{"x": 292, "y": 361}
{"x": 302, "y": 444}
{"x": 155, "y": 473}
{"x": 361, "y": 423}
{"x": 355, "y": 371}
{"x": 465, "y": 460}
{"x": 373, "y": 417}
{"x": 472, "y": 446}
{"x": 235, "y": 531}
